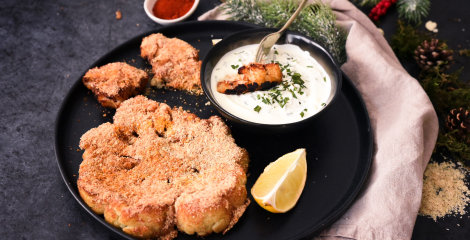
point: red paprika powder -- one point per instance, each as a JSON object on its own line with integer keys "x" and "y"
{"x": 171, "y": 9}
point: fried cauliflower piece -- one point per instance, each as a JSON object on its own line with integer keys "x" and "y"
{"x": 175, "y": 63}
{"x": 250, "y": 78}
{"x": 157, "y": 169}
{"x": 113, "y": 83}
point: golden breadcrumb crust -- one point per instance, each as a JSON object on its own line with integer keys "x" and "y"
{"x": 113, "y": 83}
{"x": 158, "y": 169}
{"x": 175, "y": 63}
{"x": 250, "y": 78}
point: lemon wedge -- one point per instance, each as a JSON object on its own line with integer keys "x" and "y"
{"x": 279, "y": 186}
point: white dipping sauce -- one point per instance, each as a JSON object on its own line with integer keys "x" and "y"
{"x": 297, "y": 101}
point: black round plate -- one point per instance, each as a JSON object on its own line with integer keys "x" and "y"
{"x": 339, "y": 144}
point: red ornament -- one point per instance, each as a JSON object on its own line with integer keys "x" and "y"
{"x": 381, "y": 9}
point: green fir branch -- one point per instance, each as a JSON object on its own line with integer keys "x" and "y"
{"x": 316, "y": 21}
{"x": 464, "y": 52}
{"x": 458, "y": 148}
{"x": 413, "y": 10}
{"x": 446, "y": 92}
{"x": 406, "y": 39}
{"x": 367, "y": 3}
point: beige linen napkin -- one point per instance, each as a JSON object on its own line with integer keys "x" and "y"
{"x": 404, "y": 125}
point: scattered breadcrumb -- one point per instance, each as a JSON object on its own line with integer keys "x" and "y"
{"x": 118, "y": 15}
{"x": 431, "y": 26}
{"x": 444, "y": 190}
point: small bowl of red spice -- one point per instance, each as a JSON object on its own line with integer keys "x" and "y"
{"x": 169, "y": 11}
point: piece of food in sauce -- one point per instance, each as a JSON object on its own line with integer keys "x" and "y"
{"x": 115, "y": 82}
{"x": 175, "y": 63}
{"x": 157, "y": 169}
{"x": 250, "y": 78}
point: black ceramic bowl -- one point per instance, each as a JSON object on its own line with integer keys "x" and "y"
{"x": 254, "y": 36}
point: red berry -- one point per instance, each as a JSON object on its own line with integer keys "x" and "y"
{"x": 381, "y": 9}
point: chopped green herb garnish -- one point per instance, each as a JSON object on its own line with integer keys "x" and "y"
{"x": 310, "y": 66}
{"x": 266, "y": 100}
{"x": 323, "y": 104}
{"x": 296, "y": 78}
{"x": 292, "y": 83}
{"x": 276, "y": 52}
{"x": 257, "y": 108}
{"x": 234, "y": 66}
{"x": 302, "y": 114}
{"x": 324, "y": 79}
{"x": 283, "y": 101}
{"x": 293, "y": 93}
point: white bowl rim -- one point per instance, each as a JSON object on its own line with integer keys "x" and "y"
{"x": 148, "y": 5}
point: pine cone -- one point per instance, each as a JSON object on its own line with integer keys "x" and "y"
{"x": 431, "y": 54}
{"x": 459, "y": 119}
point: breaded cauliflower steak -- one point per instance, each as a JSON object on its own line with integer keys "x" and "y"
{"x": 175, "y": 63}
{"x": 157, "y": 169}
{"x": 115, "y": 82}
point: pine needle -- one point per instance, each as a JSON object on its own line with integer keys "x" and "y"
{"x": 367, "y": 3}
{"x": 447, "y": 92}
{"x": 413, "y": 10}
{"x": 406, "y": 39}
{"x": 316, "y": 21}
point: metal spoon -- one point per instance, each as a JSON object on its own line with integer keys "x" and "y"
{"x": 268, "y": 42}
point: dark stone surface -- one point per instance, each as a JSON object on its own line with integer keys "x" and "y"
{"x": 45, "y": 47}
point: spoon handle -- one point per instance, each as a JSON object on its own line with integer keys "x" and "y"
{"x": 268, "y": 41}
{"x": 292, "y": 18}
